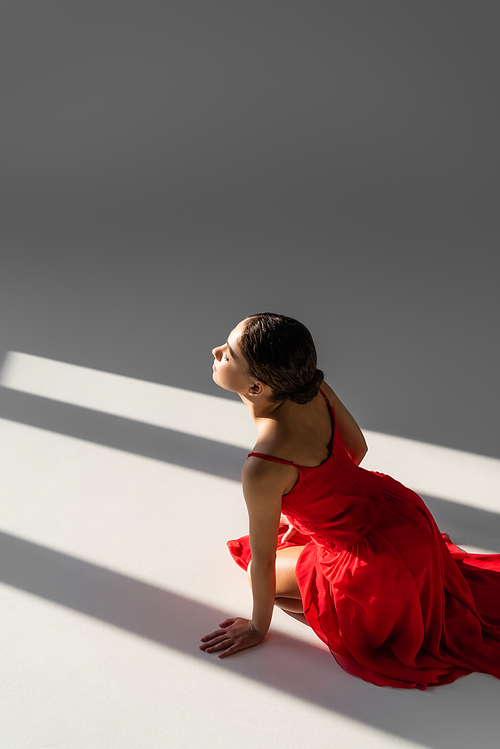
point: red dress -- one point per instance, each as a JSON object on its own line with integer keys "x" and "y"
{"x": 395, "y": 601}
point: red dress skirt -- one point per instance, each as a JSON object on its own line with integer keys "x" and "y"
{"x": 395, "y": 601}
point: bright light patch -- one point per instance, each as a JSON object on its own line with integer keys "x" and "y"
{"x": 436, "y": 471}
{"x": 428, "y": 469}
{"x": 160, "y": 405}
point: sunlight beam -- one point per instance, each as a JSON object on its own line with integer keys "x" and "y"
{"x": 438, "y": 471}
{"x": 151, "y": 403}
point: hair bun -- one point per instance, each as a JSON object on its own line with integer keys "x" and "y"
{"x": 280, "y": 352}
{"x": 309, "y": 390}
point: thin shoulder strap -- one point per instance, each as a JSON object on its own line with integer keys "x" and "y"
{"x": 279, "y": 460}
{"x": 270, "y": 457}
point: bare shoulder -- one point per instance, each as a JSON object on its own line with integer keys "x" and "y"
{"x": 257, "y": 469}
{"x": 259, "y": 474}
{"x": 261, "y": 471}
{"x": 348, "y": 428}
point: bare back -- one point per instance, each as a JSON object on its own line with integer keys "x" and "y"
{"x": 302, "y": 434}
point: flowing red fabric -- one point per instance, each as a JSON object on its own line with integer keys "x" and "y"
{"x": 395, "y": 601}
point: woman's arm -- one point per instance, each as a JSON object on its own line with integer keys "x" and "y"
{"x": 350, "y": 433}
{"x": 263, "y": 486}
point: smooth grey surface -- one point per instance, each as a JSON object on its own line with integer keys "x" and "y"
{"x": 135, "y": 437}
{"x": 465, "y": 524}
{"x": 297, "y": 668}
{"x": 169, "y": 168}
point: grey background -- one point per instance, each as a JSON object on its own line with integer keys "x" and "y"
{"x": 169, "y": 168}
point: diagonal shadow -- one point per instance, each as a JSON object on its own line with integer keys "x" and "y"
{"x": 132, "y": 436}
{"x": 464, "y": 524}
{"x": 281, "y": 662}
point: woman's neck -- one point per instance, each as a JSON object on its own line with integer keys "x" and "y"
{"x": 262, "y": 407}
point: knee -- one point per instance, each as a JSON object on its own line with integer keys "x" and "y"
{"x": 290, "y": 605}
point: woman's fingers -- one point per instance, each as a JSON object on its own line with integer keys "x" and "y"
{"x": 289, "y": 534}
{"x": 211, "y": 643}
{"x": 229, "y": 651}
{"x": 221, "y": 638}
{"x": 221, "y": 645}
{"x": 218, "y": 643}
{"x": 215, "y": 640}
{"x": 237, "y": 635}
{"x": 217, "y": 633}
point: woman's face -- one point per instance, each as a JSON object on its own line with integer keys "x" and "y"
{"x": 230, "y": 370}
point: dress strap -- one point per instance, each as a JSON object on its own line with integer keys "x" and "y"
{"x": 270, "y": 457}
{"x": 324, "y": 396}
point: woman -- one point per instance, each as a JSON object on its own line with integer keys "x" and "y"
{"x": 360, "y": 555}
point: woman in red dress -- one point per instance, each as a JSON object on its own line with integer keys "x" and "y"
{"x": 360, "y": 555}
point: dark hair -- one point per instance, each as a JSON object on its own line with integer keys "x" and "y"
{"x": 280, "y": 352}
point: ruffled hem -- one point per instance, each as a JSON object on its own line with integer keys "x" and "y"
{"x": 404, "y": 607}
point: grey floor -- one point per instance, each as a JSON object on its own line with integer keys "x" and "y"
{"x": 167, "y": 170}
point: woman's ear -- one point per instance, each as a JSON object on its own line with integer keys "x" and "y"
{"x": 257, "y": 389}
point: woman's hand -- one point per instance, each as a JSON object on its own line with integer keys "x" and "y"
{"x": 291, "y": 530}
{"x": 235, "y": 634}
